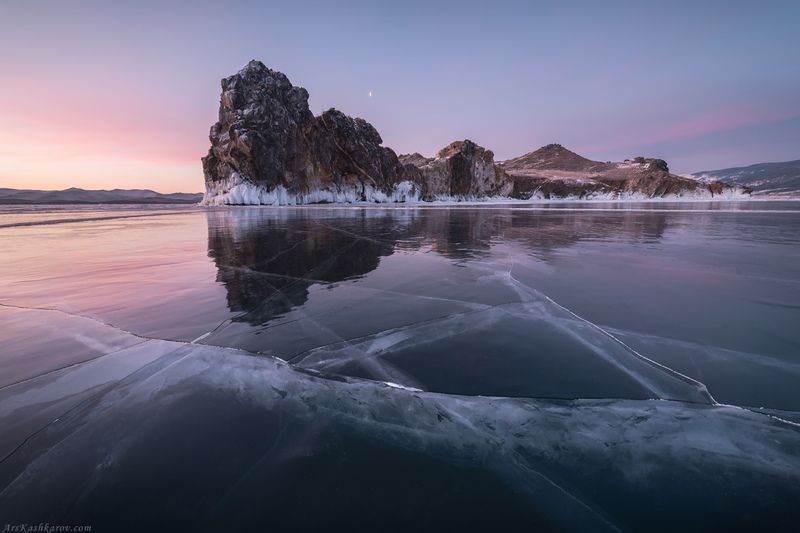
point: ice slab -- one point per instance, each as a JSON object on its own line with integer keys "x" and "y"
{"x": 214, "y": 436}
{"x": 58, "y": 340}
{"x": 28, "y": 407}
{"x": 53, "y": 361}
{"x": 509, "y": 350}
{"x": 737, "y": 377}
{"x": 331, "y": 313}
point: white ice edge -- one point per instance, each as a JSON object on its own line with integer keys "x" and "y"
{"x": 237, "y": 190}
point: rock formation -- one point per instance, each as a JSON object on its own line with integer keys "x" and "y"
{"x": 268, "y": 148}
{"x": 555, "y": 172}
{"x": 461, "y": 170}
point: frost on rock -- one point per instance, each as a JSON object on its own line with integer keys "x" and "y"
{"x": 239, "y": 191}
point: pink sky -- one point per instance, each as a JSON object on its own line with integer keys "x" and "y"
{"x": 117, "y": 95}
{"x": 94, "y": 132}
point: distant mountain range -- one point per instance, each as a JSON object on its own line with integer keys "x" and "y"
{"x": 83, "y": 196}
{"x": 763, "y": 178}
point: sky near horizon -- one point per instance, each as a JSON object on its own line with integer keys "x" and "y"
{"x": 122, "y": 95}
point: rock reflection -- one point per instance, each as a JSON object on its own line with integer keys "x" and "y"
{"x": 268, "y": 258}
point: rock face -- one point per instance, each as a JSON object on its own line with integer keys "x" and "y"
{"x": 267, "y": 147}
{"x": 462, "y": 170}
{"x": 555, "y": 172}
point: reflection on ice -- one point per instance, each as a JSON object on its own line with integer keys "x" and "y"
{"x": 486, "y": 334}
{"x": 250, "y": 369}
{"x": 320, "y": 286}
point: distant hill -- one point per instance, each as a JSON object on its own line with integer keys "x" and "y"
{"x": 554, "y": 157}
{"x": 553, "y": 171}
{"x": 83, "y": 196}
{"x": 763, "y": 178}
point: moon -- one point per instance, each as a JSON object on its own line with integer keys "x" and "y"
{"x": 370, "y": 94}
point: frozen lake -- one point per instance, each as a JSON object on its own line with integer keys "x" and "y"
{"x": 446, "y": 365}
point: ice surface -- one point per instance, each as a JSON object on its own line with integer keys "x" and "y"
{"x": 103, "y": 426}
{"x": 755, "y": 379}
{"x": 403, "y": 327}
{"x": 28, "y": 352}
{"x": 287, "y": 282}
{"x": 527, "y": 349}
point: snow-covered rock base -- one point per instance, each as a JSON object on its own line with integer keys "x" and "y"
{"x": 240, "y": 191}
{"x": 701, "y": 195}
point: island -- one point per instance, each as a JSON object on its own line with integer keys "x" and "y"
{"x": 268, "y": 148}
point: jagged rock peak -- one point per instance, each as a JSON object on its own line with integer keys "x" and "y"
{"x": 465, "y": 147}
{"x": 254, "y": 83}
{"x": 460, "y": 170}
{"x": 267, "y": 147}
{"x": 649, "y": 163}
{"x": 416, "y": 159}
{"x": 257, "y": 71}
{"x": 334, "y": 120}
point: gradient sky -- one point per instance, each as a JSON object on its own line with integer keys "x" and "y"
{"x": 107, "y": 95}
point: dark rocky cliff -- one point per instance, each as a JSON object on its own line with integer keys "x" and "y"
{"x": 267, "y": 147}
{"x": 461, "y": 170}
